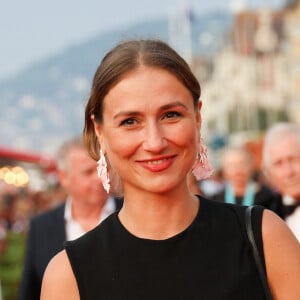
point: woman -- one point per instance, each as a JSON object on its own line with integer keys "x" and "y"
{"x": 165, "y": 243}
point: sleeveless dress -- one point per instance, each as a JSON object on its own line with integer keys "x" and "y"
{"x": 210, "y": 260}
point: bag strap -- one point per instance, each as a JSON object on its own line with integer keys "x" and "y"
{"x": 257, "y": 258}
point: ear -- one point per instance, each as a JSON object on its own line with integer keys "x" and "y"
{"x": 62, "y": 177}
{"x": 198, "y": 113}
{"x": 198, "y": 119}
{"x": 98, "y": 132}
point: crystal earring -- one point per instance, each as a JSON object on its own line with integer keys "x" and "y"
{"x": 103, "y": 172}
{"x": 202, "y": 168}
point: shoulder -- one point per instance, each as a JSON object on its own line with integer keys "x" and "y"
{"x": 59, "y": 281}
{"x": 276, "y": 232}
{"x": 217, "y": 207}
{"x": 222, "y": 215}
{"x": 48, "y": 215}
{"x": 268, "y": 198}
{"x": 282, "y": 256}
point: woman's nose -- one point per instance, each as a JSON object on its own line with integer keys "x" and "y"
{"x": 154, "y": 139}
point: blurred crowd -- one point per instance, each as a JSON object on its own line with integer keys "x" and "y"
{"x": 17, "y": 206}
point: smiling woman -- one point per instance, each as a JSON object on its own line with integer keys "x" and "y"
{"x": 151, "y": 134}
{"x": 165, "y": 242}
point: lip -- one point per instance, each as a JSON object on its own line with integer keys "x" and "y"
{"x": 157, "y": 164}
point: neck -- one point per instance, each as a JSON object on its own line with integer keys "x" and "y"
{"x": 86, "y": 214}
{"x": 240, "y": 190}
{"x": 158, "y": 216}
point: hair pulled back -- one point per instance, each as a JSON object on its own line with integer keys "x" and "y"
{"x": 123, "y": 58}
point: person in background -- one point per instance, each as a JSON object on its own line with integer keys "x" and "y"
{"x": 87, "y": 204}
{"x": 281, "y": 166}
{"x": 213, "y": 185}
{"x": 240, "y": 187}
{"x": 143, "y": 120}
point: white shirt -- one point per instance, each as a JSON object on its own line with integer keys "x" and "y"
{"x": 293, "y": 220}
{"x": 74, "y": 229}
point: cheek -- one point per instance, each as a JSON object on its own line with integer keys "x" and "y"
{"x": 276, "y": 178}
{"x": 120, "y": 147}
{"x": 186, "y": 140}
{"x": 185, "y": 135}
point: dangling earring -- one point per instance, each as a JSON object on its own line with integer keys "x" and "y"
{"x": 103, "y": 172}
{"x": 202, "y": 168}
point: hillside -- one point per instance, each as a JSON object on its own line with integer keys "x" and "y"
{"x": 44, "y": 103}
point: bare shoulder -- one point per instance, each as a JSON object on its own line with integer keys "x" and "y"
{"x": 282, "y": 255}
{"x": 59, "y": 281}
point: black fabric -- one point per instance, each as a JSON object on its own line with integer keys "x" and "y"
{"x": 289, "y": 209}
{"x": 210, "y": 260}
{"x": 45, "y": 239}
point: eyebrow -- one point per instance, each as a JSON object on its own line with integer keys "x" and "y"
{"x": 173, "y": 104}
{"x": 164, "y": 107}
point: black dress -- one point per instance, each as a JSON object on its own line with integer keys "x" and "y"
{"x": 210, "y": 260}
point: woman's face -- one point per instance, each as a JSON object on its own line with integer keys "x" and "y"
{"x": 150, "y": 130}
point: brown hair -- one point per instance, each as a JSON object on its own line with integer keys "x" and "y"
{"x": 123, "y": 58}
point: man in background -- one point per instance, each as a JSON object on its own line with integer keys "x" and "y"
{"x": 240, "y": 186}
{"x": 281, "y": 165}
{"x": 87, "y": 204}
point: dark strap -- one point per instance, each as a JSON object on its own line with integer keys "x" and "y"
{"x": 257, "y": 258}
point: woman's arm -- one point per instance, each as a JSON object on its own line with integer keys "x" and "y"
{"x": 59, "y": 282}
{"x": 282, "y": 255}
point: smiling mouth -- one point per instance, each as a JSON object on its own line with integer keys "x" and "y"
{"x": 157, "y": 165}
{"x": 157, "y": 162}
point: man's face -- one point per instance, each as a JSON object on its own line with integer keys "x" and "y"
{"x": 283, "y": 167}
{"x": 80, "y": 179}
{"x": 237, "y": 168}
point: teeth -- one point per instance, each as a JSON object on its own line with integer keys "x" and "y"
{"x": 156, "y": 162}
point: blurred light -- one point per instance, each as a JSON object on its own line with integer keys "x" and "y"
{"x": 9, "y": 177}
{"x": 14, "y": 175}
{"x": 3, "y": 171}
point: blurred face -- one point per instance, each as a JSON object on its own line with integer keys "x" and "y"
{"x": 283, "y": 168}
{"x": 237, "y": 168}
{"x": 80, "y": 179}
{"x": 150, "y": 130}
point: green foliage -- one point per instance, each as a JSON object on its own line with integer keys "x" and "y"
{"x": 11, "y": 265}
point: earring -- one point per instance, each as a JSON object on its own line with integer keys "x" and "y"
{"x": 202, "y": 168}
{"x": 103, "y": 172}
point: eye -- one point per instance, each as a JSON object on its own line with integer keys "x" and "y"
{"x": 172, "y": 115}
{"x": 128, "y": 122}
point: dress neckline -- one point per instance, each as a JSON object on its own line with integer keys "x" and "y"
{"x": 126, "y": 232}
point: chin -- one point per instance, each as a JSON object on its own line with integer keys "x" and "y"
{"x": 162, "y": 187}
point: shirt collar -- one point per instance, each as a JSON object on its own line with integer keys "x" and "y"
{"x": 108, "y": 208}
{"x": 288, "y": 200}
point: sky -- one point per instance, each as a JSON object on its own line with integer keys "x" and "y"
{"x": 31, "y": 30}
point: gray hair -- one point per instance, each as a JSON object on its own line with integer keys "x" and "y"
{"x": 236, "y": 149}
{"x": 275, "y": 134}
{"x": 63, "y": 151}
